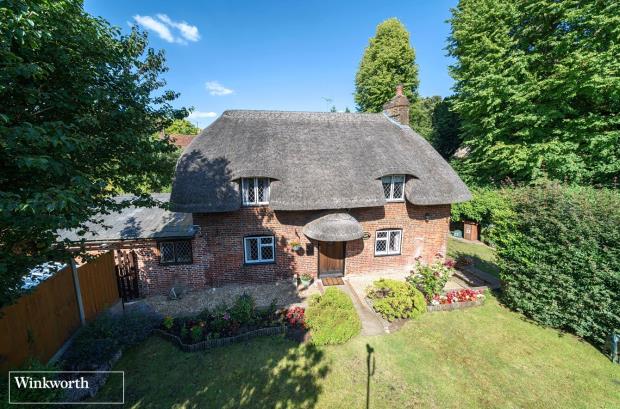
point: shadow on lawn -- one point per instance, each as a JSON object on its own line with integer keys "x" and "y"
{"x": 263, "y": 373}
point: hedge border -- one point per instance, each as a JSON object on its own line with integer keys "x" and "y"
{"x": 219, "y": 342}
{"x": 455, "y": 306}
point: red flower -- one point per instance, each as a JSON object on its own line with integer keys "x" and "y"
{"x": 295, "y": 317}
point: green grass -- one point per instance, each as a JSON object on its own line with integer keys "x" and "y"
{"x": 484, "y": 256}
{"x": 486, "y": 357}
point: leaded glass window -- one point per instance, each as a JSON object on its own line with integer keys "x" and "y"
{"x": 387, "y": 242}
{"x": 175, "y": 252}
{"x": 259, "y": 249}
{"x": 393, "y": 187}
{"x": 255, "y": 191}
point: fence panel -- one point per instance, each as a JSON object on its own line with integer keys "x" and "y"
{"x": 98, "y": 284}
{"x": 39, "y": 323}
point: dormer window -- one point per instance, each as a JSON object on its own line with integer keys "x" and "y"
{"x": 255, "y": 191}
{"x": 394, "y": 187}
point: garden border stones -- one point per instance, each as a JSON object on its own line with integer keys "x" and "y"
{"x": 214, "y": 343}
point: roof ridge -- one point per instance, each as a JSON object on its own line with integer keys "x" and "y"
{"x": 275, "y": 114}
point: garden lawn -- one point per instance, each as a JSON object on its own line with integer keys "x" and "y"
{"x": 483, "y": 255}
{"x": 485, "y": 357}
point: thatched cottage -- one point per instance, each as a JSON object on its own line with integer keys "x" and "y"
{"x": 273, "y": 194}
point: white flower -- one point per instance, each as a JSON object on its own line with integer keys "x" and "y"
{"x": 435, "y": 302}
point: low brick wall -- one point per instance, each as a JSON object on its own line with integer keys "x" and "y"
{"x": 454, "y": 306}
{"x": 214, "y": 343}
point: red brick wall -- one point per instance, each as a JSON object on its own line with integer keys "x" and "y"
{"x": 156, "y": 278}
{"x": 218, "y": 246}
{"x": 223, "y": 244}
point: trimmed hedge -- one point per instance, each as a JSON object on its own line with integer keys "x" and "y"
{"x": 332, "y": 318}
{"x": 559, "y": 256}
{"x": 395, "y": 299}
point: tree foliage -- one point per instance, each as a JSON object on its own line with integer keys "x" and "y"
{"x": 446, "y": 135}
{"x": 81, "y": 107}
{"x": 559, "y": 258}
{"x": 388, "y": 60}
{"x": 421, "y": 115}
{"x": 538, "y": 89}
{"x": 183, "y": 127}
{"x": 491, "y": 208}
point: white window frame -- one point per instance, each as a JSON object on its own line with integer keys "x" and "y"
{"x": 386, "y": 239}
{"x": 245, "y": 192}
{"x": 260, "y": 245}
{"x": 391, "y": 179}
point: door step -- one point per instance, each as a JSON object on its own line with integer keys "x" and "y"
{"x": 327, "y": 281}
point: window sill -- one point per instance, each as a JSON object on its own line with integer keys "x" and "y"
{"x": 174, "y": 263}
{"x": 388, "y": 255}
{"x": 258, "y": 263}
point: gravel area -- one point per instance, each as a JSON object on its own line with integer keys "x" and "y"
{"x": 285, "y": 293}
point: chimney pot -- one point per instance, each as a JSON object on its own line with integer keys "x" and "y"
{"x": 398, "y": 107}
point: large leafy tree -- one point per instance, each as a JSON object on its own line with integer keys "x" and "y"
{"x": 421, "y": 115}
{"x": 446, "y": 135}
{"x": 80, "y": 108}
{"x": 538, "y": 88}
{"x": 388, "y": 60}
{"x": 182, "y": 126}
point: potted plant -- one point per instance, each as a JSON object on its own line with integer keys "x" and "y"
{"x": 305, "y": 279}
{"x": 295, "y": 245}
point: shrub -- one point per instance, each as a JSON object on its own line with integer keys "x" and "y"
{"x": 32, "y": 394}
{"x": 197, "y": 332}
{"x": 168, "y": 322}
{"x": 242, "y": 310}
{"x": 559, "y": 258}
{"x": 430, "y": 279}
{"x": 396, "y": 299}
{"x": 332, "y": 318}
{"x": 96, "y": 343}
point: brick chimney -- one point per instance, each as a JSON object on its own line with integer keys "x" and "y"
{"x": 398, "y": 107}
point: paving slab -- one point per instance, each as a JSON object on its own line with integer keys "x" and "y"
{"x": 371, "y": 323}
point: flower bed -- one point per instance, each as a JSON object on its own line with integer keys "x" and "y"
{"x": 456, "y": 299}
{"x": 225, "y": 325}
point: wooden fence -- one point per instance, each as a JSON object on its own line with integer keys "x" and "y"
{"x": 40, "y": 322}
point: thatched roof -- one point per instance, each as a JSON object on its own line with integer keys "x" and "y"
{"x": 133, "y": 223}
{"x": 316, "y": 160}
{"x": 334, "y": 227}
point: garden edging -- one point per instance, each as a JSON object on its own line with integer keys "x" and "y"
{"x": 214, "y": 343}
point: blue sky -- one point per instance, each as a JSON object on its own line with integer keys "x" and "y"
{"x": 284, "y": 55}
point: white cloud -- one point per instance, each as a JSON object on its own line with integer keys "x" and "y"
{"x": 215, "y": 88}
{"x": 151, "y": 24}
{"x": 188, "y": 32}
{"x": 201, "y": 115}
{"x": 168, "y": 29}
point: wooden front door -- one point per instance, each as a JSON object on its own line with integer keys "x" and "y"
{"x": 331, "y": 258}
